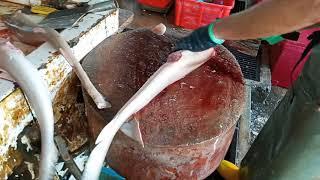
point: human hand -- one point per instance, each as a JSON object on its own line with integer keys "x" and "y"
{"x": 199, "y": 40}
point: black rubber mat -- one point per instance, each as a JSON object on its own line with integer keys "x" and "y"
{"x": 250, "y": 66}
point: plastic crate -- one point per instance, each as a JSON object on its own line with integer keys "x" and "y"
{"x": 303, "y": 38}
{"x": 192, "y": 14}
{"x": 161, "y": 4}
{"x": 284, "y": 56}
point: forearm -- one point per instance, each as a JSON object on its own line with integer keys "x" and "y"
{"x": 272, "y": 17}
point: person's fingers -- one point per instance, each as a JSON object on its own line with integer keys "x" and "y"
{"x": 174, "y": 56}
{"x": 159, "y": 29}
{"x": 204, "y": 54}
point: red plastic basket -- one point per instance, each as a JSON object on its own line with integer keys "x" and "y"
{"x": 161, "y": 4}
{"x": 304, "y": 34}
{"x": 192, "y": 14}
{"x": 283, "y": 57}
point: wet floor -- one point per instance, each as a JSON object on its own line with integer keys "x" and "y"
{"x": 263, "y": 104}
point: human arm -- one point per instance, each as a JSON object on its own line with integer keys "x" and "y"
{"x": 271, "y": 17}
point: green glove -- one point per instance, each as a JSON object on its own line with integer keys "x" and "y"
{"x": 273, "y": 39}
{"x": 294, "y": 36}
{"x": 199, "y": 40}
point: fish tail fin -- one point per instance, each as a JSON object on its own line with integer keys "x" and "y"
{"x": 132, "y": 129}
